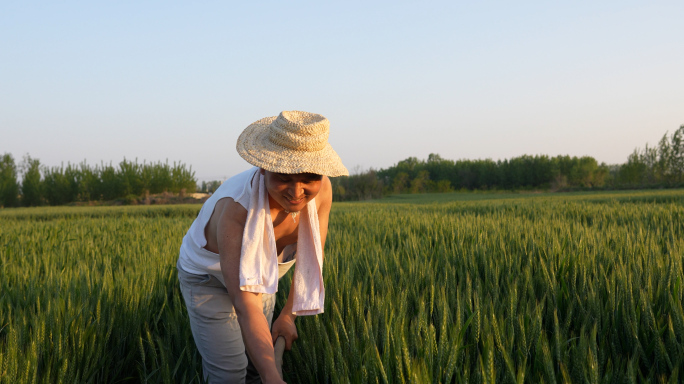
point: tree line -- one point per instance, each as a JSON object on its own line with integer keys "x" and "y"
{"x": 42, "y": 185}
{"x": 650, "y": 167}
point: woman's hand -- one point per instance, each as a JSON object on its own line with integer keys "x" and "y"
{"x": 285, "y": 326}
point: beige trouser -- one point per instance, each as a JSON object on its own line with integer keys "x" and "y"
{"x": 216, "y": 330}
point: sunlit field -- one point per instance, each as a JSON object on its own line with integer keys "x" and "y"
{"x": 477, "y": 288}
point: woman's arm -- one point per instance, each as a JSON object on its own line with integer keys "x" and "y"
{"x": 284, "y": 325}
{"x": 248, "y": 305}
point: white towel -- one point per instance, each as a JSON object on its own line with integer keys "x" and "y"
{"x": 259, "y": 257}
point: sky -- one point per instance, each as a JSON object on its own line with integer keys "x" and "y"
{"x": 179, "y": 81}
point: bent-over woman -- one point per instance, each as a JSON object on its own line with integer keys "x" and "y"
{"x": 248, "y": 234}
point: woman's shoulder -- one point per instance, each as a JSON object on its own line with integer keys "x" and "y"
{"x": 324, "y": 197}
{"x": 241, "y": 179}
{"x": 237, "y": 187}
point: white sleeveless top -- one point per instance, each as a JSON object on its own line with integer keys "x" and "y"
{"x": 195, "y": 259}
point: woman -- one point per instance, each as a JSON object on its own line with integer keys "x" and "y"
{"x": 247, "y": 235}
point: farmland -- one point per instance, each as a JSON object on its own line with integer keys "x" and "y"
{"x": 489, "y": 288}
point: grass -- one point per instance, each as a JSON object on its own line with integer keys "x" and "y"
{"x": 581, "y": 287}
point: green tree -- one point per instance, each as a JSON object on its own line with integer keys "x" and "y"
{"x": 662, "y": 171}
{"x": 443, "y": 186}
{"x": 210, "y": 187}
{"x": 421, "y": 183}
{"x": 632, "y": 173}
{"x": 31, "y": 185}
{"x": 183, "y": 179}
{"x": 650, "y": 157}
{"x": 9, "y": 187}
{"x": 89, "y": 183}
{"x": 358, "y": 186}
{"x": 677, "y": 155}
{"x": 110, "y": 185}
{"x": 161, "y": 178}
{"x": 129, "y": 175}
{"x": 400, "y": 182}
{"x": 582, "y": 173}
{"x": 61, "y": 185}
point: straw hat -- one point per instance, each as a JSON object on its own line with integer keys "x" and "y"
{"x": 293, "y": 142}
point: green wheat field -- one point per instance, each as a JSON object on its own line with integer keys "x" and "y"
{"x": 444, "y": 288}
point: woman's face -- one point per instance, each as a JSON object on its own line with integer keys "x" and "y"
{"x": 292, "y": 191}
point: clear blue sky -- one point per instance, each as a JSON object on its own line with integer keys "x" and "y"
{"x": 100, "y": 81}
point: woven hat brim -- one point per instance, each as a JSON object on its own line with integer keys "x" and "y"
{"x": 255, "y": 147}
